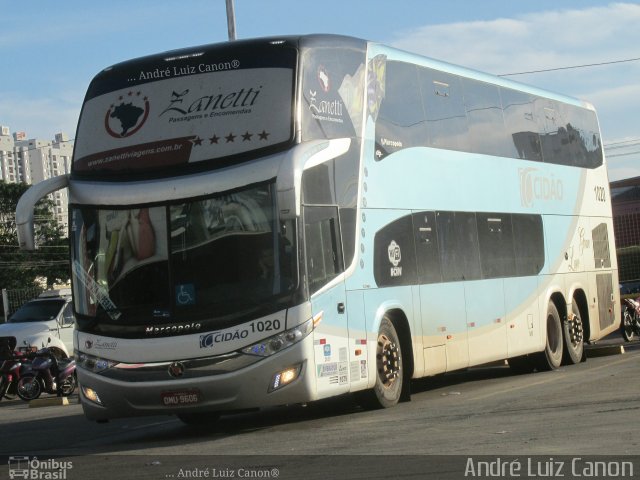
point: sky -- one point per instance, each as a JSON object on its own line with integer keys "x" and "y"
{"x": 52, "y": 50}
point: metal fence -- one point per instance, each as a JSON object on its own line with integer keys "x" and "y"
{"x": 12, "y": 299}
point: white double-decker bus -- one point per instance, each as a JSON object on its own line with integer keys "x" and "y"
{"x": 281, "y": 220}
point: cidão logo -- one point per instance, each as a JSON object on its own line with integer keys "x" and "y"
{"x": 534, "y": 186}
{"x": 127, "y": 115}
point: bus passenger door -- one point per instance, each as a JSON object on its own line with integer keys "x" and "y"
{"x": 486, "y": 320}
{"x": 442, "y": 305}
{"x": 485, "y": 297}
{"x": 324, "y": 264}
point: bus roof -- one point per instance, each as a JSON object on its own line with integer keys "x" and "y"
{"x": 328, "y": 40}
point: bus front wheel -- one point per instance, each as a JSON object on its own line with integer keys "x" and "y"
{"x": 389, "y": 371}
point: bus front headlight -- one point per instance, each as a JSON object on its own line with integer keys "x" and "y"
{"x": 91, "y": 363}
{"x": 280, "y": 341}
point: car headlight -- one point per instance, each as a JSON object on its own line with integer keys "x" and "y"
{"x": 280, "y": 341}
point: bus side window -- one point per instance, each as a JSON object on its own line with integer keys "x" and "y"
{"x": 522, "y": 126}
{"x": 528, "y": 241}
{"x": 401, "y": 122}
{"x": 428, "y": 255}
{"x": 582, "y": 142}
{"x": 445, "y": 110}
{"x": 458, "y": 242}
{"x": 495, "y": 236}
{"x": 487, "y": 131}
{"x": 323, "y": 246}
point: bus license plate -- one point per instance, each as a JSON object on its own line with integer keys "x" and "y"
{"x": 183, "y": 397}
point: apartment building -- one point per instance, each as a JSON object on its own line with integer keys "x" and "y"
{"x": 24, "y": 160}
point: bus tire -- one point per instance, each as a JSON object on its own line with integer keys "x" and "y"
{"x": 551, "y": 357}
{"x": 389, "y": 370}
{"x": 573, "y": 333}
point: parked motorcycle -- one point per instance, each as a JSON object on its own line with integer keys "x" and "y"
{"x": 49, "y": 374}
{"x": 10, "y": 372}
{"x": 630, "y": 326}
{"x": 10, "y": 367}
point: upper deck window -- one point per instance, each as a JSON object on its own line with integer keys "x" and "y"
{"x": 216, "y": 105}
{"x": 416, "y": 106}
{"x": 332, "y": 92}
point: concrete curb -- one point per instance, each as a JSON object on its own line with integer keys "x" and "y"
{"x": 605, "y": 350}
{"x": 48, "y": 402}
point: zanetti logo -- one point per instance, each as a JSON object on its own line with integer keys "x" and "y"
{"x": 127, "y": 115}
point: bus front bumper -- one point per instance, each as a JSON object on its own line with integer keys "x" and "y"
{"x": 284, "y": 378}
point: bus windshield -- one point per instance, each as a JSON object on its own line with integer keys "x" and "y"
{"x": 202, "y": 106}
{"x": 213, "y": 258}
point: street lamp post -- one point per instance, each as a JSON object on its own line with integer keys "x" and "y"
{"x": 231, "y": 20}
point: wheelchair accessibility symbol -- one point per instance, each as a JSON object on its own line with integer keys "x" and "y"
{"x": 185, "y": 294}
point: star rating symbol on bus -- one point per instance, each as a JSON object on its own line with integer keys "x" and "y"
{"x": 247, "y": 136}
{"x": 130, "y": 94}
{"x": 197, "y": 141}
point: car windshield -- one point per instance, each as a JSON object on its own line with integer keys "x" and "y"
{"x": 205, "y": 259}
{"x": 38, "y": 311}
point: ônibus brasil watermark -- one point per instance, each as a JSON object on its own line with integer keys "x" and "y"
{"x": 34, "y": 469}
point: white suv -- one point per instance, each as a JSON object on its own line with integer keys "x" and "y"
{"x": 47, "y": 321}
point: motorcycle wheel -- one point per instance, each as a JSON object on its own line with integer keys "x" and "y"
{"x": 3, "y": 386}
{"x": 11, "y": 393}
{"x": 29, "y": 387}
{"x": 627, "y": 326}
{"x": 68, "y": 386}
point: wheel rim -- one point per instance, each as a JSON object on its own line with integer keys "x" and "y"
{"x": 29, "y": 389}
{"x": 576, "y": 332}
{"x": 628, "y": 325}
{"x": 68, "y": 386}
{"x": 388, "y": 360}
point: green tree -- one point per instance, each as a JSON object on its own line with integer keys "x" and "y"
{"x": 19, "y": 269}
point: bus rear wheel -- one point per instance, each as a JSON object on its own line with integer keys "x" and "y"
{"x": 389, "y": 371}
{"x": 551, "y": 357}
{"x": 573, "y": 334}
